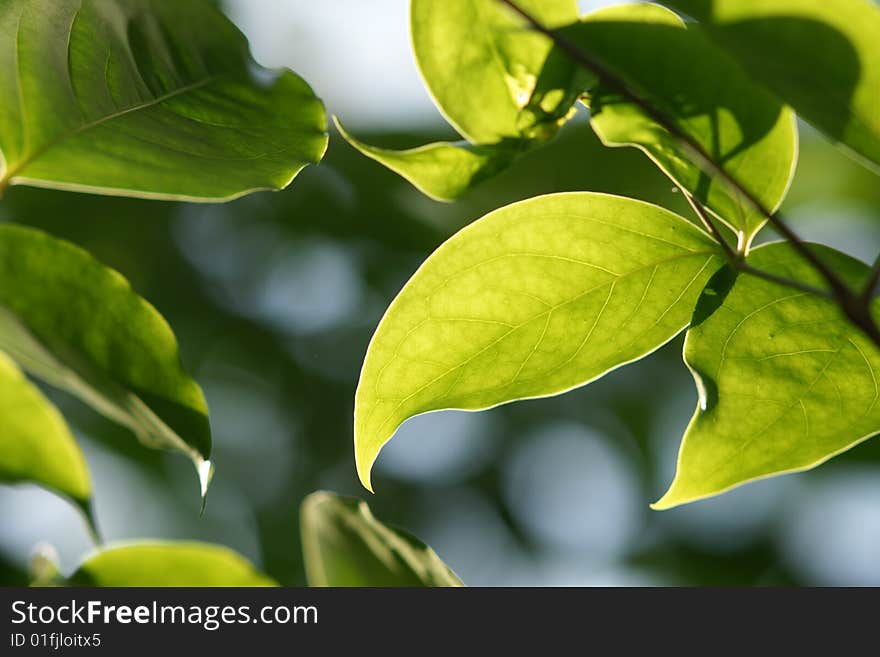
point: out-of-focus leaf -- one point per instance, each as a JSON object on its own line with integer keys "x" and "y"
{"x": 820, "y": 56}
{"x": 703, "y": 92}
{"x": 442, "y": 170}
{"x": 532, "y": 300}
{"x": 168, "y": 564}
{"x": 79, "y": 326}
{"x": 35, "y": 444}
{"x": 344, "y": 545}
{"x": 151, "y": 98}
{"x": 785, "y": 381}
{"x": 490, "y": 75}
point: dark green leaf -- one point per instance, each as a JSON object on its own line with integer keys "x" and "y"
{"x": 79, "y": 326}
{"x": 820, "y": 56}
{"x": 151, "y": 98}
{"x": 701, "y": 91}
{"x": 344, "y": 545}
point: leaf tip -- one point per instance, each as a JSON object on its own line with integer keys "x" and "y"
{"x": 87, "y": 508}
{"x": 364, "y": 460}
{"x": 672, "y": 498}
{"x": 663, "y": 504}
{"x": 364, "y": 474}
{"x": 205, "y": 469}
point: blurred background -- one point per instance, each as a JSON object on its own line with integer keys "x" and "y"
{"x": 274, "y": 298}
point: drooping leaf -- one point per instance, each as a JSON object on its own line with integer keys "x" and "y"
{"x": 444, "y": 170}
{"x": 79, "y": 326}
{"x": 344, "y": 545}
{"x": 35, "y": 444}
{"x": 821, "y": 57}
{"x": 168, "y": 564}
{"x": 532, "y": 300}
{"x": 153, "y": 98}
{"x": 703, "y": 92}
{"x": 488, "y": 73}
{"x": 785, "y": 381}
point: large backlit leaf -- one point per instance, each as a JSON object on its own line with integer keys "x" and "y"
{"x": 168, "y": 564}
{"x": 488, "y": 73}
{"x": 785, "y": 381}
{"x": 820, "y": 56}
{"x": 35, "y": 444}
{"x": 79, "y": 326}
{"x": 146, "y": 98}
{"x": 344, "y": 545}
{"x": 445, "y": 170}
{"x": 703, "y": 92}
{"x": 531, "y": 300}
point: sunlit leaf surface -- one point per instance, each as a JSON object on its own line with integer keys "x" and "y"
{"x": 168, "y": 564}
{"x": 785, "y": 381}
{"x": 35, "y": 444}
{"x": 532, "y": 300}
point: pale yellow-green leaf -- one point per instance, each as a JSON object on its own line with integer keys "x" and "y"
{"x": 532, "y": 300}
{"x": 488, "y": 72}
{"x": 444, "y": 170}
{"x": 785, "y": 382}
{"x": 35, "y": 444}
{"x": 168, "y": 564}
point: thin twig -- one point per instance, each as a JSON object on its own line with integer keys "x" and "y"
{"x": 873, "y": 280}
{"x": 851, "y": 303}
{"x": 705, "y": 161}
{"x": 746, "y": 268}
{"x": 737, "y": 260}
{"x": 703, "y": 216}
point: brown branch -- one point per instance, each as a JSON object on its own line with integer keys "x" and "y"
{"x": 704, "y": 218}
{"x": 737, "y": 260}
{"x": 851, "y": 303}
{"x": 873, "y": 280}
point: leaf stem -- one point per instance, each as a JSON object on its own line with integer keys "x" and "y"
{"x": 853, "y": 304}
{"x": 704, "y": 218}
{"x": 737, "y": 259}
{"x": 873, "y": 280}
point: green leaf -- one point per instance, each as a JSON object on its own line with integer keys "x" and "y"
{"x": 820, "y": 57}
{"x": 785, "y": 381}
{"x": 701, "y": 91}
{"x": 35, "y": 444}
{"x": 168, "y": 564}
{"x": 79, "y": 326}
{"x": 443, "y": 170}
{"x": 150, "y": 98}
{"x": 488, "y": 73}
{"x": 531, "y": 300}
{"x": 344, "y": 545}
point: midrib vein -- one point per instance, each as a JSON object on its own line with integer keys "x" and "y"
{"x": 29, "y": 159}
